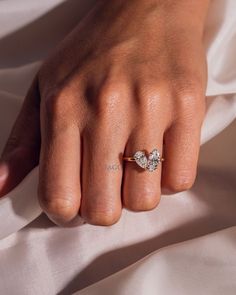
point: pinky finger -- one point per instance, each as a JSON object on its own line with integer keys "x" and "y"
{"x": 182, "y": 143}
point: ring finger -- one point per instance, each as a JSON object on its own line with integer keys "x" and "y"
{"x": 142, "y": 188}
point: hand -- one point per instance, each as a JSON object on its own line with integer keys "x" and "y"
{"x": 131, "y": 76}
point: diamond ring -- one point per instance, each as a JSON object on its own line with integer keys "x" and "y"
{"x": 149, "y": 163}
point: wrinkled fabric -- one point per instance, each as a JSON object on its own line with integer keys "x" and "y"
{"x": 185, "y": 246}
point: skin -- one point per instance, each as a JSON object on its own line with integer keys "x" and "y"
{"x": 131, "y": 76}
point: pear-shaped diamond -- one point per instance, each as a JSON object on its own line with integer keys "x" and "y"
{"x": 141, "y": 159}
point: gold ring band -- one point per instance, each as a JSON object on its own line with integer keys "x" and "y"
{"x": 132, "y": 159}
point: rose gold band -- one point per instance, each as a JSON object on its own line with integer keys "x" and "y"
{"x": 131, "y": 159}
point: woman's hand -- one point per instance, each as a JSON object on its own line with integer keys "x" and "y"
{"x": 131, "y": 76}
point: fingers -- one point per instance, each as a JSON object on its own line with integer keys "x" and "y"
{"x": 181, "y": 150}
{"x": 21, "y": 153}
{"x": 142, "y": 189}
{"x": 59, "y": 173}
{"x": 102, "y": 176}
{"x": 103, "y": 145}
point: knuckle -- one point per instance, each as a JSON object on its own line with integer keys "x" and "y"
{"x": 104, "y": 217}
{"x": 53, "y": 103}
{"x": 145, "y": 201}
{"x": 152, "y": 98}
{"x": 58, "y": 111}
{"x": 59, "y": 208}
{"x": 109, "y": 99}
{"x": 149, "y": 96}
{"x": 190, "y": 98}
{"x": 179, "y": 184}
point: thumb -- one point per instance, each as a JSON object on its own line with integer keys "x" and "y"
{"x": 21, "y": 152}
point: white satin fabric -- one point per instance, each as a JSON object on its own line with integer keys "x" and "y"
{"x": 185, "y": 246}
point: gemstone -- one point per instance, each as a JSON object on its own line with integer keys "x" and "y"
{"x": 141, "y": 159}
{"x": 153, "y": 160}
{"x": 149, "y": 163}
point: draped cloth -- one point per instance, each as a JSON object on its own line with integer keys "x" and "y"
{"x": 185, "y": 246}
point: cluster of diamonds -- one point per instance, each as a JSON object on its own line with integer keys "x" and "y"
{"x": 150, "y": 163}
